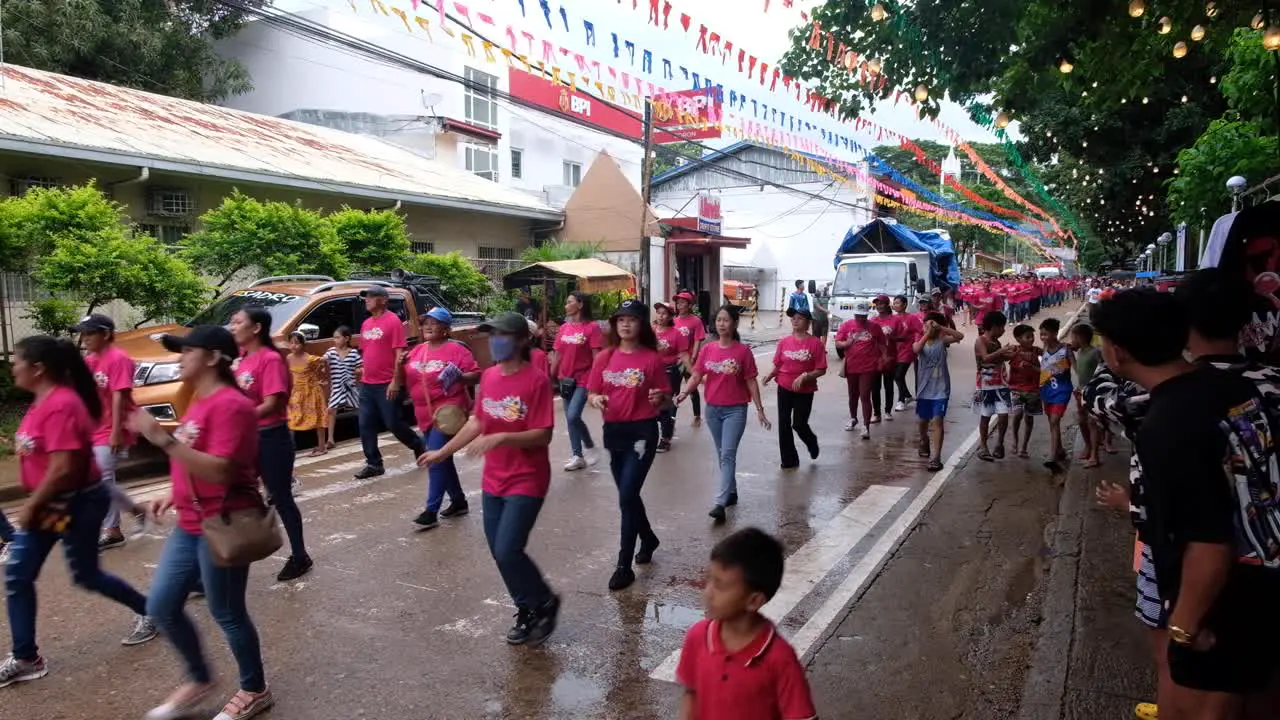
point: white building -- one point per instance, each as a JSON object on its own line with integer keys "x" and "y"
{"x": 518, "y": 147}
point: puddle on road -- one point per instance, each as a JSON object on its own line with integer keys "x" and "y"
{"x": 575, "y": 694}
{"x": 668, "y": 615}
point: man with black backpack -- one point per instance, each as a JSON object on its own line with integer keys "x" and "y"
{"x": 1206, "y": 453}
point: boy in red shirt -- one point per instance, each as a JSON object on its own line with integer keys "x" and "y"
{"x": 734, "y": 664}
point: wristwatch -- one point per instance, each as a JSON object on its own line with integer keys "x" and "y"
{"x": 1180, "y": 636}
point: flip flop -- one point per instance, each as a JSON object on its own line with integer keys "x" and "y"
{"x": 985, "y": 454}
{"x": 1092, "y": 464}
{"x": 934, "y": 465}
{"x": 998, "y": 453}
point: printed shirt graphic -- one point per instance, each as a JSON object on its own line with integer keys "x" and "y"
{"x": 1055, "y": 376}
{"x": 220, "y": 425}
{"x": 796, "y": 356}
{"x": 59, "y": 422}
{"x": 626, "y": 379}
{"x": 575, "y": 343}
{"x": 380, "y": 338}
{"x": 509, "y": 404}
{"x": 868, "y": 347}
{"x": 725, "y": 372}
{"x": 262, "y": 374}
{"x": 888, "y": 324}
{"x": 422, "y": 371}
{"x": 691, "y": 327}
{"x": 671, "y": 342}
{"x": 991, "y": 374}
{"x": 113, "y": 372}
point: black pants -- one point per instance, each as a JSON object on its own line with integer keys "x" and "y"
{"x": 900, "y": 379}
{"x": 275, "y": 465}
{"x": 883, "y": 379}
{"x": 667, "y": 418}
{"x": 696, "y": 398}
{"x": 793, "y": 414}
{"x": 632, "y": 447}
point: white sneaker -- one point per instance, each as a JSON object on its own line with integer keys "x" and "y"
{"x": 590, "y": 457}
{"x": 866, "y": 433}
{"x": 900, "y": 406}
{"x": 851, "y": 426}
{"x": 575, "y": 463}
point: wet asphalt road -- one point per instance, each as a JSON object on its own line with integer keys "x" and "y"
{"x": 394, "y": 623}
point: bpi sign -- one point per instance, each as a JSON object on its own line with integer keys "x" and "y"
{"x": 575, "y": 104}
{"x": 709, "y": 220}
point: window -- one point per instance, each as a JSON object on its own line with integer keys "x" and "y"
{"x": 497, "y": 253}
{"x": 19, "y": 186}
{"x": 517, "y": 163}
{"x": 330, "y": 316}
{"x": 422, "y": 248}
{"x": 483, "y": 161}
{"x": 166, "y": 233}
{"x": 480, "y": 108}
{"x": 171, "y": 203}
{"x": 572, "y": 173}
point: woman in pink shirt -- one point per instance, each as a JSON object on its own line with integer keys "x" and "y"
{"x": 66, "y": 500}
{"x": 510, "y": 428}
{"x": 577, "y": 342}
{"x": 798, "y": 362}
{"x": 882, "y": 388}
{"x": 673, "y": 348}
{"x": 865, "y": 352}
{"x": 438, "y": 372}
{"x": 909, "y": 329}
{"x": 213, "y": 458}
{"x": 728, "y": 369}
{"x": 694, "y": 331}
{"x": 629, "y": 384}
{"x": 263, "y": 376}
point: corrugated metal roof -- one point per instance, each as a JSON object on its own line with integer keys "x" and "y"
{"x": 53, "y": 114}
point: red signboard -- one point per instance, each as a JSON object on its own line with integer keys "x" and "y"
{"x": 709, "y": 214}
{"x": 558, "y": 97}
{"x": 688, "y": 115}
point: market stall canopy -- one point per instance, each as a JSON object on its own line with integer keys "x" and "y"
{"x": 590, "y": 275}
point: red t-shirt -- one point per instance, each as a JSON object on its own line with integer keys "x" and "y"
{"x": 220, "y": 425}
{"x": 868, "y": 348}
{"x": 422, "y": 371}
{"x": 626, "y": 378}
{"x": 540, "y": 361}
{"x": 762, "y": 681}
{"x": 262, "y": 374}
{"x": 575, "y": 344}
{"x": 910, "y": 329}
{"x": 692, "y": 328}
{"x": 1024, "y": 370}
{"x": 796, "y": 356}
{"x": 58, "y": 422}
{"x": 671, "y": 342}
{"x": 889, "y": 326}
{"x": 113, "y": 372}
{"x": 380, "y": 338}
{"x": 509, "y": 404}
{"x": 725, "y": 372}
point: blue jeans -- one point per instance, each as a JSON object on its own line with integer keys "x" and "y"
{"x": 579, "y": 435}
{"x": 80, "y": 546}
{"x": 632, "y": 447}
{"x": 275, "y": 464}
{"x": 6, "y": 530}
{"x": 375, "y": 408}
{"x": 185, "y": 565}
{"x": 442, "y": 477}
{"x": 508, "y": 520}
{"x": 727, "y": 423}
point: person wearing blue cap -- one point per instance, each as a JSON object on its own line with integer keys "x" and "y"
{"x": 438, "y": 372}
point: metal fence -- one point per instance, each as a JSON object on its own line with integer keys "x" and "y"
{"x": 495, "y": 270}
{"x": 18, "y": 293}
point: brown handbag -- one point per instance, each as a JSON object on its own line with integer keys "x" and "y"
{"x": 448, "y": 419}
{"x": 239, "y": 537}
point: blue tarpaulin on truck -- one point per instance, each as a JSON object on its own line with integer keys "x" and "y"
{"x": 879, "y": 237}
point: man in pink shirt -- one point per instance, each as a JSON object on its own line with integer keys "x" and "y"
{"x": 382, "y": 347}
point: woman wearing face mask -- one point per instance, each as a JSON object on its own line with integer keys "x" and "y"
{"x": 629, "y": 384}
{"x": 673, "y": 348}
{"x": 263, "y": 375}
{"x": 577, "y": 342}
{"x": 438, "y": 372}
{"x": 213, "y": 458}
{"x": 729, "y": 370}
{"x": 66, "y": 500}
{"x": 510, "y": 428}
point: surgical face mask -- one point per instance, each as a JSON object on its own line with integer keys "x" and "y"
{"x": 502, "y": 347}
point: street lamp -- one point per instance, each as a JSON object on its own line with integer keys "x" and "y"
{"x": 1164, "y": 240}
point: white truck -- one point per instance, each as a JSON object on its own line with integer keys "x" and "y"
{"x": 885, "y": 258}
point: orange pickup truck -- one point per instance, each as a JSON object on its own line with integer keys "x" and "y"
{"x": 314, "y": 305}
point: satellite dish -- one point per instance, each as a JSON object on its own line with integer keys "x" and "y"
{"x": 430, "y": 100}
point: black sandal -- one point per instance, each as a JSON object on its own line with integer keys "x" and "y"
{"x": 934, "y": 465}
{"x": 998, "y": 453}
{"x": 985, "y": 454}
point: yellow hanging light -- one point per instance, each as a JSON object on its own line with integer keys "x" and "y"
{"x": 1166, "y": 25}
{"x": 1180, "y": 50}
{"x": 1258, "y": 22}
{"x": 1136, "y": 8}
{"x": 922, "y": 93}
{"x": 1064, "y": 65}
{"x": 850, "y": 60}
{"x": 1197, "y": 33}
{"x": 873, "y": 65}
{"x": 1211, "y": 9}
{"x": 1003, "y": 119}
{"x": 878, "y": 13}
{"x": 1271, "y": 38}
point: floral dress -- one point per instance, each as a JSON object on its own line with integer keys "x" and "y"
{"x": 307, "y": 401}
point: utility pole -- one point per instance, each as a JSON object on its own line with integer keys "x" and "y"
{"x": 646, "y": 173}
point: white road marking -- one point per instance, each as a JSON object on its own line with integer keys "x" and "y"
{"x": 811, "y": 563}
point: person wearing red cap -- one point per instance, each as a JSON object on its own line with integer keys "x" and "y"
{"x": 695, "y": 332}
{"x": 882, "y": 385}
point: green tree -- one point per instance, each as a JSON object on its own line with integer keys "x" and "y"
{"x": 30, "y": 224}
{"x": 374, "y": 241}
{"x": 1229, "y": 147}
{"x": 162, "y": 46}
{"x": 667, "y": 157}
{"x": 462, "y": 286}
{"x": 271, "y": 238}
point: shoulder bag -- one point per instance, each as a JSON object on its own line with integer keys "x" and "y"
{"x": 239, "y": 537}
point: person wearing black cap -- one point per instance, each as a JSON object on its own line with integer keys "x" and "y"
{"x": 798, "y": 362}
{"x": 213, "y": 458}
{"x": 629, "y": 385}
{"x": 510, "y": 427}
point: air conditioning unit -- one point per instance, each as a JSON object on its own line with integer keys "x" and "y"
{"x": 171, "y": 203}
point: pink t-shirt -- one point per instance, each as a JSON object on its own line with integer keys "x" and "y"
{"x": 113, "y": 372}
{"x": 796, "y": 356}
{"x": 692, "y": 328}
{"x": 59, "y": 422}
{"x": 868, "y": 347}
{"x": 261, "y": 374}
{"x": 574, "y": 345}
{"x": 889, "y": 326}
{"x": 626, "y": 379}
{"x": 671, "y": 342}
{"x": 380, "y": 338}
{"x": 422, "y": 371}
{"x": 910, "y": 329}
{"x": 540, "y": 361}
{"x": 509, "y": 404}
{"x": 725, "y": 372}
{"x": 220, "y": 425}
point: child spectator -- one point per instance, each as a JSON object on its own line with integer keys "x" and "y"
{"x": 1056, "y": 365}
{"x": 734, "y": 664}
{"x": 1087, "y": 357}
{"x": 992, "y": 398}
{"x": 343, "y": 362}
{"x": 1024, "y": 382}
{"x": 310, "y": 391}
